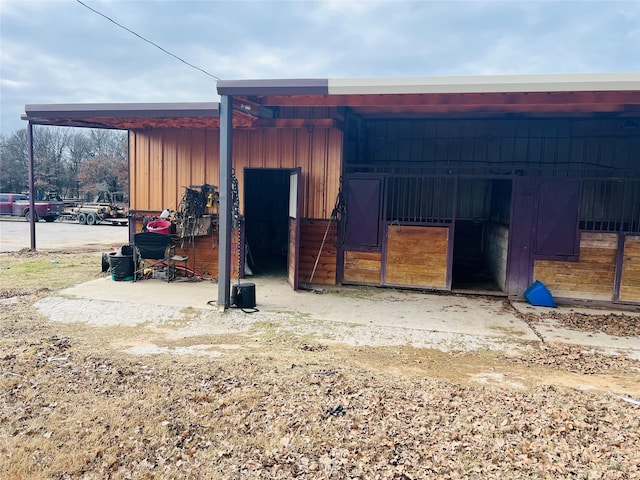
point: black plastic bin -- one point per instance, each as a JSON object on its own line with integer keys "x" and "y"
{"x": 121, "y": 264}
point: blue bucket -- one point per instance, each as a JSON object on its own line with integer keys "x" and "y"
{"x": 539, "y": 296}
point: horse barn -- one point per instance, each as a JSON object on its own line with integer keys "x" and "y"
{"x": 466, "y": 184}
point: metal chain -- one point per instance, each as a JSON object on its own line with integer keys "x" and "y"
{"x": 235, "y": 206}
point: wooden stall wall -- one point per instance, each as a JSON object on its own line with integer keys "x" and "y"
{"x": 630, "y": 281}
{"x": 312, "y": 233}
{"x": 362, "y": 267}
{"x": 591, "y": 277}
{"x": 417, "y": 256}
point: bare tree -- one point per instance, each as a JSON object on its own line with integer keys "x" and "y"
{"x": 71, "y": 161}
{"x": 50, "y": 155}
{"x": 107, "y": 168}
{"x": 14, "y": 162}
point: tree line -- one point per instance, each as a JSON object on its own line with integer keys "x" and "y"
{"x": 73, "y": 162}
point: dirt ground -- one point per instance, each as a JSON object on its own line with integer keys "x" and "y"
{"x": 77, "y": 403}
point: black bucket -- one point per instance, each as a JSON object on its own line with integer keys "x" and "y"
{"x": 243, "y": 295}
{"x": 121, "y": 264}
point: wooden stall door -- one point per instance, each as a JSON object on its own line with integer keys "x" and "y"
{"x": 295, "y": 211}
{"x": 417, "y": 256}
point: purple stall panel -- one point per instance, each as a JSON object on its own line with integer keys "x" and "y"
{"x": 363, "y": 212}
{"x": 519, "y": 268}
{"x": 556, "y": 234}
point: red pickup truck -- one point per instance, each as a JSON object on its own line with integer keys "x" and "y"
{"x": 17, "y": 205}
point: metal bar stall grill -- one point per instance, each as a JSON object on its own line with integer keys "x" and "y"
{"x": 610, "y": 206}
{"x": 419, "y": 200}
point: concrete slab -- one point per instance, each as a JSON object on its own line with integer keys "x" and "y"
{"x": 353, "y": 305}
{"x": 353, "y": 315}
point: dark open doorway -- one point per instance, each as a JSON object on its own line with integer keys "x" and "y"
{"x": 266, "y": 211}
{"x": 481, "y": 235}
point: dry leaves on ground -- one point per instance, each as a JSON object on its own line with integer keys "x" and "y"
{"x": 576, "y": 359}
{"x": 69, "y": 413}
{"x": 615, "y": 324}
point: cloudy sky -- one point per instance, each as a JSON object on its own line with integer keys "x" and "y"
{"x": 59, "y": 51}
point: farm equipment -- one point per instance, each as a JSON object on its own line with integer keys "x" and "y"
{"x": 103, "y": 209}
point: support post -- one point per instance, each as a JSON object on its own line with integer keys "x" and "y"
{"x": 224, "y": 230}
{"x": 32, "y": 199}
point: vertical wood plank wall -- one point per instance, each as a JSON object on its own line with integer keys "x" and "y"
{"x": 591, "y": 277}
{"x": 312, "y": 232}
{"x": 630, "y": 282}
{"x": 417, "y": 256}
{"x": 164, "y": 161}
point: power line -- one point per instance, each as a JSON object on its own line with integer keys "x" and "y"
{"x": 146, "y": 40}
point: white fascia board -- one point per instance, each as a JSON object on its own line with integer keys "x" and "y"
{"x": 487, "y": 84}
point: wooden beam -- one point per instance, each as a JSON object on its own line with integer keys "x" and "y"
{"x": 613, "y": 99}
{"x": 296, "y": 123}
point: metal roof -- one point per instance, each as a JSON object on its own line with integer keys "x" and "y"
{"x": 570, "y": 82}
{"x": 125, "y": 115}
{"x": 404, "y": 97}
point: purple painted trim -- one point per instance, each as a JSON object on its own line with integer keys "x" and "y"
{"x": 519, "y": 260}
{"x": 383, "y": 254}
{"x": 301, "y": 86}
{"x": 617, "y": 279}
{"x": 448, "y": 279}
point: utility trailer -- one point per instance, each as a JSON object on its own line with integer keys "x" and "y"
{"x": 103, "y": 210}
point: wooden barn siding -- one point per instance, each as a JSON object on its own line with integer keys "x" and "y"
{"x": 362, "y": 267}
{"x": 164, "y": 161}
{"x": 417, "y": 256}
{"x": 630, "y": 282}
{"x": 591, "y": 277}
{"x": 311, "y": 234}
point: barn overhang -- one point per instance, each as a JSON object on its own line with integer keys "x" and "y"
{"x": 126, "y": 116}
{"x": 532, "y": 95}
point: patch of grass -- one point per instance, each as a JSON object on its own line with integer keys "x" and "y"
{"x": 292, "y": 313}
{"x": 48, "y": 270}
{"x": 357, "y": 292}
